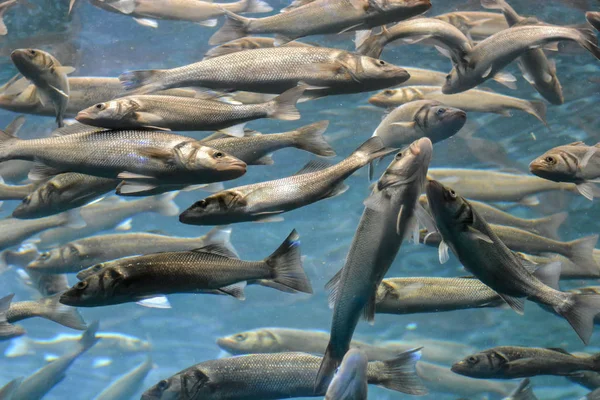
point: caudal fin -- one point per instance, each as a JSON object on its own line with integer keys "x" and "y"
{"x": 7, "y": 330}
{"x": 582, "y": 252}
{"x": 283, "y": 107}
{"x": 328, "y": 366}
{"x": 523, "y": 391}
{"x": 548, "y": 226}
{"x": 310, "y": 138}
{"x": 7, "y": 142}
{"x": 400, "y": 373}
{"x": 257, "y": 6}
{"x": 164, "y": 204}
{"x": 369, "y": 44}
{"x": 235, "y": 27}
{"x": 286, "y": 264}
{"x": 589, "y": 41}
{"x": 538, "y": 110}
{"x": 61, "y": 314}
{"x": 143, "y": 81}
{"x": 372, "y": 149}
{"x": 220, "y": 235}
{"x": 89, "y": 338}
{"x": 580, "y": 310}
{"x": 494, "y": 4}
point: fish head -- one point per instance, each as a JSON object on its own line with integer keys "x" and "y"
{"x": 31, "y": 62}
{"x": 95, "y": 289}
{"x": 452, "y": 213}
{"x": 46, "y": 259}
{"x": 556, "y": 165}
{"x": 256, "y": 341}
{"x": 438, "y": 121}
{"x": 551, "y": 89}
{"x": 389, "y": 98}
{"x": 405, "y": 8}
{"x": 221, "y": 166}
{"x": 35, "y": 203}
{"x": 480, "y": 365}
{"x": 107, "y": 112}
{"x": 379, "y": 73}
{"x": 350, "y": 378}
{"x": 166, "y": 389}
{"x": 459, "y": 79}
{"x": 408, "y": 165}
{"x": 26, "y": 98}
{"x": 192, "y": 383}
{"x": 221, "y": 208}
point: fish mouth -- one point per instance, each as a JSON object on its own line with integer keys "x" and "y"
{"x": 83, "y": 116}
{"x": 233, "y": 166}
{"x": 224, "y": 344}
{"x": 433, "y": 189}
{"x": 67, "y": 299}
{"x": 420, "y": 146}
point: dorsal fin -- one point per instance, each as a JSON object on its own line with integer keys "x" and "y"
{"x": 218, "y": 249}
{"x": 313, "y": 166}
{"x": 559, "y": 350}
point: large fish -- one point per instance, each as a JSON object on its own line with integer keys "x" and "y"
{"x": 389, "y": 217}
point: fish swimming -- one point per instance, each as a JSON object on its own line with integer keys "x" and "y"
{"x": 127, "y": 385}
{"x": 48, "y": 308}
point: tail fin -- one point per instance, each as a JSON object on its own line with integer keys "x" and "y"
{"x": 235, "y": 27}
{"x": 257, "y": 6}
{"x": 580, "y": 310}
{"x": 372, "y": 149}
{"x": 8, "y": 331}
{"x": 548, "y": 226}
{"x": 89, "y": 338}
{"x": 283, "y": 107}
{"x": 494, "y": 4}
{"x": 220, "y": 235}
{"x": 287, "y": 265}
{"x": 61, "y": 314}
{"x": 15, "y": 125}
{"x": 523, "y": 391}
{"x": 328, "y": 366}
{"x": 371, "y": 45}
{"x": 538, "y": 110}
{"x": 3, "y": 8}
{"x": 143, "y": 81}
{"x": 7, "y": 391}
{"x": 400, "y": 373}
{"x": 7, "y": 141}
{"x": 19, "y": 347}
{"x": 582, "y": 252}
{"x": 588, "y": 41}
{"x": 164, "y": 204}
{"x": 310, "y": 138}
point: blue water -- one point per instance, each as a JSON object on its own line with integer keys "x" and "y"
{"x": 98, "y": 43}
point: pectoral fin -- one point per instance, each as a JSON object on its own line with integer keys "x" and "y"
{"x": 443, "y": 253}
{"x": 57, "y": 90}
{"x": 478, "y": 235}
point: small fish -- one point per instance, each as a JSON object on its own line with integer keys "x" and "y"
{"x": 275, "y": 70}
{"x": 264, "y": 201}
{"x": 418, "y": 119}
{"x": 509, "y": 362}
{"x": 210, "y": 268}
{"x": 14, "y": 231}
{"x": 575, "y": 162}
{"x": 35, "y": 386}
{"x": 87, "y": 252}
{"x": 7, "y": 330}
{"x": 470, "y": 101}
{"x": 489, "y": 57}
{"x": 247, "y": 43}
{"x": 48, "y": 308}
{"x": 62, "y": 193}
{"x": 290, "y": 375}
{"x": 188, "y": 114}
{"x": 255, "y": 149}
{"x": 4, "y": 7}
{"x": 482, "y": 253}
{"x": 127, "y": 385}
{"x": 476, "y": 23}
{"x": 450, "y": 41}
{"x": 7, "y": 391}
{"x": 320, "y": 17}
{"x": 204, "y": 13}
{"x": 388, "y": 219}
{"x": 48, "y": 75}
{"x": 350, "y": 380}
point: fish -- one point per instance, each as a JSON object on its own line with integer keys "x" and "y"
{"x": 418, "y": 119}
{"x": 209, "y": 268}
{"x": 255, "y": 149}
{"x": 482, "y": 253}
{"x": 575, "y": 162}
{"x": 15, "y": 192}
{"x": 8, "y": 330}
{"x": 275, "y": 70}
{"x": 204, "y": 13}
{"x": 389, "y": 217}
{"x": 7, "y": 391}
{"x": 509, "y": 362}
{"x": 46, "y": 285}
{"x": 110, "y": 213}
{"x": 62, "y": 193}
{"x": 350, "y": 381}
{"x": 84, "y": 253}
{"x": 247, "y": 43}
{"x": 488, "y": 58}
{"x": 188, "y": 114}
{"x": 421, "y": 76}
{"x": 290, "y": 375}
{"x": 4, "y": 7}
{"x": 320, "y": 17}
{"x": 48, "y": 75}
{"x": 537, "y": 69}
{"x": 522, "y": 392}
{"x": 35, "y": 386}
{"x": 15, "y": 171}
{"x": 497, "y": 186}
{"x": 14, "y": 231}
{"x": 142, "y": 157}
{"x": 449, "y": 40}
{"x": 264, "y": 201}
{"x": 476, "y": 23}
{"x": 593, "y": 18}
{"x": 472, "y": 100}
{"x": 48, "y": 308}
{"x": 127, "y": 385}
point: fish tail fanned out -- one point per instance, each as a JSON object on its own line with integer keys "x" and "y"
{"x": 62, "y": 314}
{"x": 286, "y": 264}
{"x": 582, "y": 252}
{"x": 400, "y": 374}
{"x": 494, "y": 4}
{"x": 310, "y": 138}
{"x": 283, "y": 107}
{"x": 235, "y": 27}
{"x": 256, "y": 6}
{"x": 548, "y": 226}
{"x": 538, "y": 110}
{"x": 143, "y": 81}
{"x": 7, "y": 142}
{"x": 369, "y": 44}
{"x": 589, "y": 41}
{"x": 164, "y": 204}
{"x": 328, "y": 366}
{"x": 89, "y": 338}
{"x": 7, "y": 330}
{"x": 372, "y": 150}
{"x": 220, "y": 235}
{"x": 580, "y": 310}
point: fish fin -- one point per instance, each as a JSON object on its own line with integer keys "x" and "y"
{"x": 549, "y": 274}
{"x": 351, "y": 28}
{"x": 487, "y": 72}
{"x": 377, "y": 201}
{"x": 42, "y": 172}
{"x": 6, "y": 142}
{"x": 548, "y": 226}
{"x": 155, "y": 302}
{"x": 62, "y": 314}
{"x": 475, "y": 234}
{"x": 165, "y": 205}
{"x": 582, "y": 252}
{"x": 210, "y": 23}
{"x": 507, "y": 79}
{"x": 368, "y": 312}
{"x": 143, "y": 81}
{"x": 329, "y": 363}
{"x": 218, "y": 249}
{"x": 15, "y": 125}
{"x": 538, "y": 110}
{"x": 18, "y": 347}
{"x": 530, "y": 201}
{"x": 64, "y": 69}
{"x": 8, "y": 330}
{"x": 266, "y": 217}
{"x": 235, "y": 130}
{"x": 17, "y": 87}
{"x": 148, "y": 120}
{"x": 88, "y": 337}
{"x": 404, "y": 124}
{"x": 235, "y": 27}
{"x": 221, "y": 235}
{"x": 337, "y": 190}
{"x": 281, "y": 40}
{"x": 133, "y": 176}
{"x": 361, "y": 36}
{"x": 236, "y": 290}
{"x": 101, "y": 362}
{"x": 516, "y": 303}
{"x": 286, "y": 265}
{"x": 424, "y": 218}
{"x": 333, "y": 287}
{"x": 400, "y": 373}
{"x": 579, "y": 311}
{"x": 313, "y": 166}
{"x": 373, "y": 149}
{"x": 494, "y": 4}
{"x": 125, "y": 225}
{"x": 257, "y": 6}
{"x": 587, "y": 190}
{"x": 443, "y": 252}
{"x": 158, "y": 153}
{"x": 284, "y": 105}
{"x": 150, "y": 23}
{"x": 126, "y": 187}
{"x": 264, "y": 160}
{"x": 123, "y": 6}
{"x": 274, "y": 285}
{"x": 587, "y": 157}
{"x": 444, "y": 51}
{"x": 420, "y": 38}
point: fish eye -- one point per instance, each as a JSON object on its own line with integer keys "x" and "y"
{"x": 550, "y": 160}
{"x": 440, "y": 111}
{"x": 448, "y": 77}
{"x": 239, "y": 337}
{"x": 388, "y": 92}
{"x": 201, "y": 204}
{"x": 162, "y": 385}
{"x": 80, "y": 285}
{"x": 32, "y": 52}
{"x": 219, "y": 154}
{"x": 452, "y": 193}
{"x": 472, "y": 360}
{"x": 381, "y": 62}
{"x": 398, "y": 156}
{"x": 45, "y": 255}
{"x": 100, "y": 106}
{"x": 27, "y": 200}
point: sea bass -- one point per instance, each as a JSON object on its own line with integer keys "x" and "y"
{"x": 350, "y": 381}
{"x": 48, "y": 308}
{"x": 14, "y": 231}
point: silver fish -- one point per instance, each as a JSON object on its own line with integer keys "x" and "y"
{"x": 290, "y": 375}
{"x": 522, "y": 392}
{"x": 188, "y": 114}
{"x": 490, "y": 56}
{"x": 127, "y": 385}
{"x": 15, "y": 192}
{"x": 87, "y": 252}
{"x": 255, "y": 149}
{"x": 472, "y": 100}
{"x": 388, "y": 218}
{"x": 321, "y": 17}
{"x": 569, "y": 270}
{"x": 48, "y": 308}
{"x": 14, "y": 231}
{"x": 420, "y": 119}
{"x": 537, "y": 69}
{"x": 48, "y": 75}
{"x": 7, "y": 330}
{"x": 476, "y": 23}
{"x": 481, "y": 252}
{"x": 350, "y": 381}
{"x": 247, "y": 43}
{"x": 275, "y": 70}
{"x": 318, "y": 180}
{"x": 4, "y": 7}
